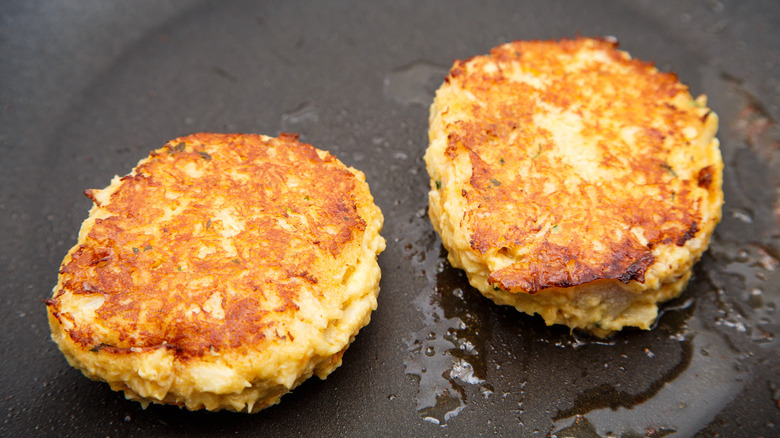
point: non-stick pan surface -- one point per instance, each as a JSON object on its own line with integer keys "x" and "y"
{"x": 88, "y": 88}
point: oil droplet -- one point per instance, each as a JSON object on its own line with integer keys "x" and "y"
{"x": 742, "y": 216}
{"x": 762, "y": 336}
{"x": 767, "y": 261}
{"x": 486, "y": 390}
{"x": 756, "y": 300}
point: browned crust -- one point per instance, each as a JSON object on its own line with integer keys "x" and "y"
{"x": 141, "y": 275}
{"x": 567, "y": 234}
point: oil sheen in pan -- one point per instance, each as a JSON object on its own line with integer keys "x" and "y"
{"x": 724, "y": 325}
{"x": 446, "y": 358}
{"x": 454, "y": 360}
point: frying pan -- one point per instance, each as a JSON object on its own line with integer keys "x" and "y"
{"x": 88, "y": 88}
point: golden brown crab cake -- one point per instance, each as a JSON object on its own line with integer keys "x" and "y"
{"x": 571, "y": 181}
{"x": 221, "y": 273}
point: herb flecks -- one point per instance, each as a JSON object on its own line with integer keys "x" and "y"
{"x": 178, "y": 148}
{"x": 135, "y": 250}
{"x": 438, "y": 184}
{"x": 669, "y": 169}
{"x": 99, "y": 347}
{"x": 495, "y": 182}
{"x": 205, "y": 155}
{"x": 147, "y": 247}
{"x": 538, "y": 151}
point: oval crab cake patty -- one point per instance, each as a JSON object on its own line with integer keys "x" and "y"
{"x": 571, "y": 181}
{"x": 221, "y": 273}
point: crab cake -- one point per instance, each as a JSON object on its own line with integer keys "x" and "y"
{"x": 221, "y": 273}
{"x": 572, "y": 181}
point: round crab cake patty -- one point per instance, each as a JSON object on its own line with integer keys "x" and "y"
{"x": 571, "y": 181}
{"x": 221, "y": 273}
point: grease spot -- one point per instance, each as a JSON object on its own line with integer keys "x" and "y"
{"x": 305, "y": 113}
{"x": 415, "y": 83}
{"x": 446, "y": 357}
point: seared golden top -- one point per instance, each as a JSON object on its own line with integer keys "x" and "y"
{"x": 212, "y": 243}
{"x": 579, "y": 161}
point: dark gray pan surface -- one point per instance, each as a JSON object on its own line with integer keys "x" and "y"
{"x": 88, "y": 88}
